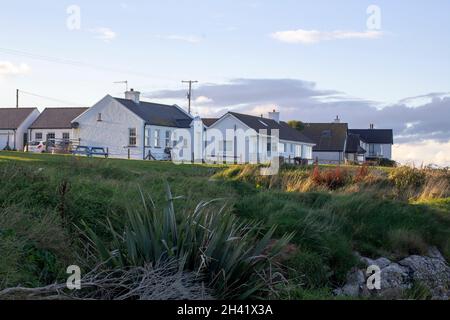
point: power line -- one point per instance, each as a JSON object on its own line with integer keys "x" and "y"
{"x": 47, "y": 98}
{"x": 75, "y": 63}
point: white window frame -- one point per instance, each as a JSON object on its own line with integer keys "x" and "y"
{"x": 167, "y": 138}
{"x": 132, "y": 137}
{"x": 157, "y": 138}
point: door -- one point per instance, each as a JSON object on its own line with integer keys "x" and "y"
{"x": 25, "y": 139}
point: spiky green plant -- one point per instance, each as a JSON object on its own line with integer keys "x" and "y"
{"x": 234, "y": 257}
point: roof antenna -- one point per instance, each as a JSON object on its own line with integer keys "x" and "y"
{"x": 123, "y": 82}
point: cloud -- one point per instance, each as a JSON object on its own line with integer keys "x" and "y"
{"x": 314, "y": 36}
{"x": 8, "y": 68}
{"x": 425, "y": 152}
{"x": 104, "y": 34}
{"x": 184, "y": 38}
{"x": 305, "y": 101}
{"x": 203, "y": 100}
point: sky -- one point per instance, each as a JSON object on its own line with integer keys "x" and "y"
{"x": 383, "y": 62}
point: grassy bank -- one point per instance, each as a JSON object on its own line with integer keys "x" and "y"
{"x": 45, "y": 200}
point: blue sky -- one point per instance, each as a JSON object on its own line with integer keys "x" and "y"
{"x": 156, "y": 44}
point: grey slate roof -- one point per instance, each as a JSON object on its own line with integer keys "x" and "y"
{"x": 57, "y": 118}
{"x": 158, "y": 114}
{"x": 381, "y": 136}
{"x": 285, "y": 131}
{"x": 328, "y": 137}
{"x": 12, "y": 118}
{"x": 354, "y": 144}
{"x": 209, "y": 121}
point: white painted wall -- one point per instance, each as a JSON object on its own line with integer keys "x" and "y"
{"x": 255, "y": 149}
{"x": 58, "y": 133}
{"x": 328, "y": 157}
{"x": 113, "y": 131}
{"x": 379, "y": 150}
{"x": 16, "y": 137}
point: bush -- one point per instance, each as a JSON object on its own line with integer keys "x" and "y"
{"x": 234, "y": 258}
{"x": 407, "y": 177}
{"x": 332, "y": 179}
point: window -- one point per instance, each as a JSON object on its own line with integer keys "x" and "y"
{"x": 292, "y": 148}
{"x": 99, "y": 117}
{"x": 38, "y": 136}
{"x": 66, "y": 136}
{"x": 326, "y": 134}
{"x": 147, "y": 138}
{"x": 157, "y": 137}
{"x": 167, "y": 142}
{"x": 132, "y": 141}
{"x": 51, "y": 136}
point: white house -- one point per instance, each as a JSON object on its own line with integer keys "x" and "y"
{"x": 244, "y": 138}
{"x": 377, "y": 142}
{"x": 54, "y": 123}
{"x": 14, "y": 123}
{"x": 131, "y": 128}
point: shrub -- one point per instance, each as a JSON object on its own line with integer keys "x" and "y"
{"x": 235, "y": 259}
{"x": 332, "y": 179}
{"x": 362, "y": 173}
{"x": 406, "y": 177}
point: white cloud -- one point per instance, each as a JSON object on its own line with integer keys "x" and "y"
{"x": 7, "y": 68}
{"x": 426, "y": 152}
{"x": 104, "y": 34}
{"x": 314, "y": 36}
{"x": 203, "y": 100}
{"x": 186, "y": 38}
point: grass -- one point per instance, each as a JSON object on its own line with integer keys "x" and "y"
{"x": 44, "y": 198}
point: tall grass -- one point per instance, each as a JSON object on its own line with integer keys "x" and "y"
{"x": 234, "y": 257}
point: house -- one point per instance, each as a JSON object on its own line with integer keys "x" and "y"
{"x": 330, "y": 141}
{"x": 377, "y": 142}
{"x": 131, "y": 128}
{"x": 54, "y": 123}
{"x": 354, "y": 151}
{"x": 14, "y": 123}
{"x": 243, "y": 138}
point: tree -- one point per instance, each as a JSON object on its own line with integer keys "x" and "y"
{"x": 298, "y": 125}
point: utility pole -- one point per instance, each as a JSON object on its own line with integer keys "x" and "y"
{"x": 189, "y": 95}
{"x": 17, "y": 98}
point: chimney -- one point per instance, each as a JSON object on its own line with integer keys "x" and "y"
{"x": 274, "y": 116}
{"x": 132, "y": 95}
{"x": 372, "y": 126}
{"x": 337, "y": 120}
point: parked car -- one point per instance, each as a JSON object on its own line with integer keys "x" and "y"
{"x": 90, "y": 151}
{"x": 36, "y": 147}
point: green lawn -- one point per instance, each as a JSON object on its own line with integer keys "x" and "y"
{"x": 45, "y": 198}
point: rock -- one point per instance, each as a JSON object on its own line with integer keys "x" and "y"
{"x": 431, "y": 271}
{"x": 355, "y": 281}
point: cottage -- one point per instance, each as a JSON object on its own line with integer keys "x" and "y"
{"x": 243, "y": 138}
{"x": 377, "y": 142}
{"x": 131, "y": 128}
{"x": 54, "y": 124}
{"x": 330, "y": 141}
{"x": 14, "y": 123}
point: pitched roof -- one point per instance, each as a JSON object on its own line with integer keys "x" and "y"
{"x": 209, "y": 121}
{"x": 381, "y": 136}
{"x": 158, "y": 114}
{"x": 285, "y": 131}
{"x": 354, "y": 144}
{"x": 329, "y": 137}
{"x": 57, "y": 118}
{"x": 12, "y": 118}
